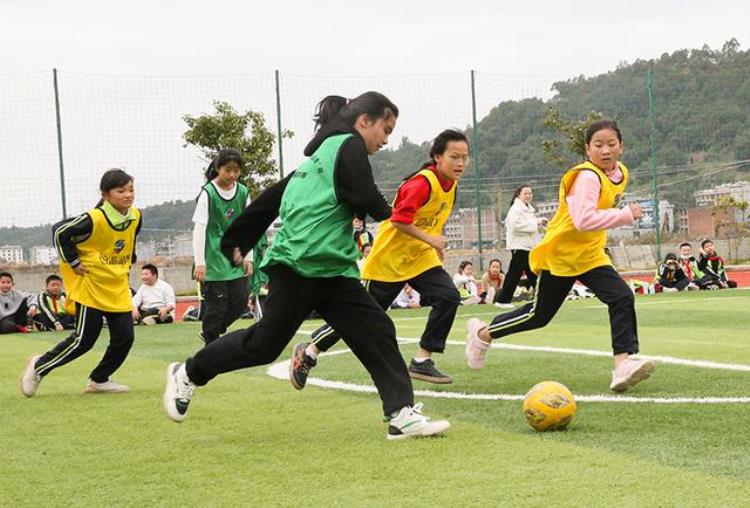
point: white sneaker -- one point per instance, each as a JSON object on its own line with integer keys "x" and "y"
{"x": 108, "y": 386}
{"x": 30, "y": 379}
{"x": 149, "y": 320}
{"x": 670, "y": 290}
{"x": 476, "y": 348}
{"x": 631, "y": 372}
{"x": 178, "y": 392}
{"x": 504, "y": 305}
{"x": 409, "y": 422}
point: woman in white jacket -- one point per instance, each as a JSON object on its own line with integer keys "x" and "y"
{"x": 523, "y": 233}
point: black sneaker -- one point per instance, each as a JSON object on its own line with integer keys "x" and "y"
{"x": 300, "y": 365}
{"x": 426, "y": 371}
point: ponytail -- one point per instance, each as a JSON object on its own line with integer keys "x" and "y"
{"x": 225, "y": 156}
{"x": 112, "y": 179}
{"x": 440, "y": 144}
{"x": 327, "y": 109}
{"x": 373, "y": 104}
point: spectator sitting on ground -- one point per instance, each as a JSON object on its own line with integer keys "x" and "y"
{"x": 712, "y": 265}
{"x": 14, "y": 309}
{"x": 466, "y": 283}
{"x": 47, "y": 309}
{"x": 408, "y": 298}
{"x": 690, "y": 266}
{"x": 361, "y": 235}
{"x": 492, "y": 281}
{"x": 154, "y": 302}
{"x": 670, "y": 275}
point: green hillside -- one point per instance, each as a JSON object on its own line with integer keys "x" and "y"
{"x": 702, "y": 119}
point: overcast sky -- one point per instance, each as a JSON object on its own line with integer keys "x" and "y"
{"x": 417, "y": 52}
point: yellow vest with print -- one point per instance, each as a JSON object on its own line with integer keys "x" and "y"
{"x": 107, "y": 255}
{"x": 397, "y": 256}
{"x": 565, "y": 251}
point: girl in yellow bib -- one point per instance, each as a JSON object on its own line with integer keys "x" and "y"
{"x": 573, "y": 249}
{"x": 409, "y": 248}
{"x": 96, "y": 250}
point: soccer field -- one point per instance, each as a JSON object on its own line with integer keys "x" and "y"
{"x": 678, "y": 439}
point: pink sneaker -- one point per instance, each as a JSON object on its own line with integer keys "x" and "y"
{"x": 631, "y": 372}
{"x": 476, "y": 348}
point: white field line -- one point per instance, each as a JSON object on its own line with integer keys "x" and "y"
{"x": 281, "y": 371}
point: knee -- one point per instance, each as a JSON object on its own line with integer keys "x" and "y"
{"x": 448, "y": 299}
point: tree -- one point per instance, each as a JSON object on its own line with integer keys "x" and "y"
{"x": 227, "y": 128}
{"x": 730, "y": 220}
{"x": 573, "y": 132}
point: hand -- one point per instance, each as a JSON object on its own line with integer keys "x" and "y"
{"x": 237, "y": 258}
{"x": 136, "y": 315}
{"x": 635, "y": 209}
{"x": 32, "y": 311}
{"x": 248, "y": 268}
{"x": 200, "y": 273}
{"x": 163, "y": 313}
{"x": 80, "y": 269}
{"x": 543, "y": 222}
{"x": 59, "y": 327}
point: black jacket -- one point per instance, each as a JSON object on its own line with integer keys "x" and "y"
{"x": 353, "y": 183}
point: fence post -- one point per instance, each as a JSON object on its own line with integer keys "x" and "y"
{"x": 657, "y": 218}
{"x": 475, "y": 156}
{"x": 59, "y": 144}
{"x": 278, "y": 126}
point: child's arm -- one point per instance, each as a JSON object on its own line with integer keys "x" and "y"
{"x": 411, "y": 196}
{"x": 66, "y": 234}
{"x": 354, "y": 184}
{"x": 582, "y": 202}
{"x": 251, "y": 225}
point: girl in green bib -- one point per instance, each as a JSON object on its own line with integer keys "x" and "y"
{"x": 220, "y": 202}
{"x": 311, "y": 265}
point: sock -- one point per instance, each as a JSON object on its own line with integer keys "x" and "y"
{"x": 310, "y": 351}
{"x": 419, "y": 360}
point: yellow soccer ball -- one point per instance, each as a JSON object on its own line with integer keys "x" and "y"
{"x": 549, "y": 406}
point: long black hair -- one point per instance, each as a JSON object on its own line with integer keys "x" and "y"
{"x": 517, "y": 193}
{"x": 440, "y": 144}
{"x": 373, "y": 104}
{"x": 112, "y": 179}
{"x": 225, "y": 156}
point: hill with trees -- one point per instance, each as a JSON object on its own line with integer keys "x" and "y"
{"x": 702, "y": 122}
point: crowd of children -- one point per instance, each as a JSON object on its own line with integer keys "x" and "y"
{"x": 322, "y": 251}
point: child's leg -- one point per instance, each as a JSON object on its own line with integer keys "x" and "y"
{"x": 549, "y": 296}
{"x": 8, "y": 324}
{"x": 611, "y": 290}
{"x": 370, "y": 334}
{"x": 290, "y": 300}
{"x": 325, "y": 337}
{"x": 517, "y": 264}
{"x": 43, "y": 322}
{"x": 437, "y": 288}
{"x": 215, "y": 302}
{"x": 120, "y": 342}
{"x": 237, "y": 303}
{"x": 77, "y": 343}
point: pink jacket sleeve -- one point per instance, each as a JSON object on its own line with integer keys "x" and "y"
{"x": 582, "y": 200}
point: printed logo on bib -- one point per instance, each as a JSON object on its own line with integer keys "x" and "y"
{"x": 119, "y": 245}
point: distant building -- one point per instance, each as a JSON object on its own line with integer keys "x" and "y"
{"x": 11, "y": 254}
{"x": 43, "y": 255}
{"x": 461, "y": 228}
{"x": 740, "y": 191}
{"x": 546, "y": 209}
